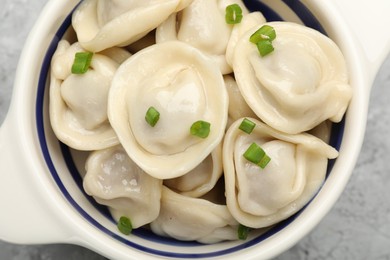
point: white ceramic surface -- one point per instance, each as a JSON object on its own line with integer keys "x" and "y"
{"x": 51, "y": 218}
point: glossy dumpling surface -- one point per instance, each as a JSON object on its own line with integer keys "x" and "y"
{"x": 202, "y": 24}
{"x": 303, "y": 82}
{"x": 78, "y": 102}
{"x": 184, "y": 86}
{"x": 238, "y": 107}
{"x": 101, "y": 24}
{"x": 114, "y": 180}
{"x": 259, "y": 197}
{"x": 187, "y": 219}
{"x": 202, "y": 178}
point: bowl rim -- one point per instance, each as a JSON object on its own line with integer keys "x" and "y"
{"x": 94, "y": 239}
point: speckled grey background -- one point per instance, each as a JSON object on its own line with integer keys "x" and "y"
{"x": 358, "y": 227}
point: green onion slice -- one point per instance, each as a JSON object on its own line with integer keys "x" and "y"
{"x": 247, "y": 126}
{"x": 264, "y": 161}
{"x": 265, "y": 32}
{"x": 233, "y": 14}
{"x": 81, "y": 63}
{"x": 200, "y": 128}
{"x": 124, "y": 225}
{"x": 265, "y": 47}
{"x": 263, "y": 38}
{"x": 243, "y": 232}
{"x": 254, "y": 153}
{"x": 257, "y": 155}
{"x": 152, "y": 116}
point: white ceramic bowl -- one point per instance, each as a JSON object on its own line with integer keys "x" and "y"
{"x": 41, "y": 195}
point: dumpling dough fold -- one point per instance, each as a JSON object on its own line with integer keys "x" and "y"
{"x": 114, "y": 180}
{"x": 238, "y": 107}
{"x": 193, "y": 219}
{"x": 184, "y": 86}
{"x": 202, "y": 178}
{"x": 101, "y": 24}
{"x": 78, "y": 102}
{"x": 202, "y": 25}
{"x": 259, "y": 197}
{"x": 303, "y": 82}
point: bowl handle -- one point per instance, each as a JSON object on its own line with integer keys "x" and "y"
{"x": 368, "y": 20}
{"x": 25, "y": 215}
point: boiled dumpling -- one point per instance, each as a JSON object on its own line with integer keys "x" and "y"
{"x": 238, "y": 108}
{"x": 202, "y": 24}
{"x": 303, "y": 82}
{"x": 259, "y": 197}
{"x": 183, "y": 85}
{"x": 114, "y": 180}
{"x": 78, "y": 102}
{"x": 193, "y": 219}
{"x": 101, "y": 24}
{"x": 119, "y": 55}
{"x": 202, "y": 178}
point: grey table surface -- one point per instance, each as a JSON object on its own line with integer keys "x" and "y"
{"x": 358, "y": 226}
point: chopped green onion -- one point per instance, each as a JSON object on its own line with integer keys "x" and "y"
{"x": 265, "y": 32}
{"x": 264, "y": 161}
{"x": 243, "y": 232}
{"x": 256, "y": 155}
{"x": 233, "y": 14}
{"x": 152, "y": 116}
{"x": 124, "y": 225}
{"x": 200, "y": 128}
{"x": 81, "y": 63}
{"x": 265, "y": 47}
{"x": 263, "y": 38}
{"x": 247, "y": 126}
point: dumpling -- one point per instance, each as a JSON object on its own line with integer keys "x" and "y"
{"x": 202, "y": 178}
{"x": 238, "y": 107}
{"x": 259, "y": 197}
{"x": 192, "y": 219}
{"x": 303, "y": 82}
{"x": 78, "y": 102}
{"x": 119, "y": 55}
{"x": 114, "y": 180}
{"x": 202, "y": 24}
{"x": 101, "y": 24}
{"x": 183, "y": 85}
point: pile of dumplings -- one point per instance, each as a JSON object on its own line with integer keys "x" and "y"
{"x": 182, "y": 58}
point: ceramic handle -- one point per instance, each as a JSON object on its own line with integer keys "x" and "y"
{"x": 369, "y": 21}
{"x": 32, "y": 208}
{"x": 25, "y": 217}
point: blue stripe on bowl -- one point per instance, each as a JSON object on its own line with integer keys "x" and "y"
{"x": 336, "y": 137}
{"x": 269, "y": 14}
{"x": 305, "y": 15}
